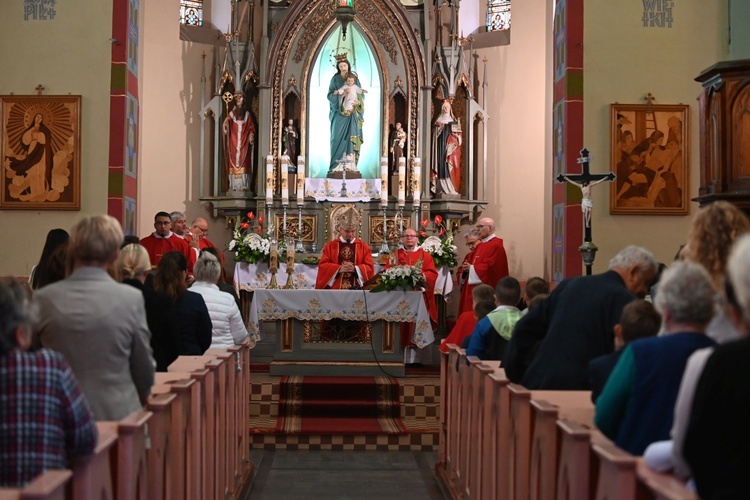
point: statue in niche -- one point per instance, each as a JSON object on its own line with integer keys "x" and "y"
{"x": 398, "y": 143}
{"x": 289, "y": 139}
{"x": 239, "y": 144}
{"x": 446, "y": 153}
{"x": 347, "y": 106}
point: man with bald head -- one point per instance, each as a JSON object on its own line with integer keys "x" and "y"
{"x": 490, "y": 263}
{"x": 199, "y": 229}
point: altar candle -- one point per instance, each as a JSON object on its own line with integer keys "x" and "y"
{"x": 274, "y": 254}
{"x": 416, "y": 165}
{"x": 384, "y": 181}
{"x": 290, "y": 254}
{"x": 285, "y": 180}
{"x": 300, "y": 180}
{"x": 269, "y": 180}
{"x": 401, "y": 181}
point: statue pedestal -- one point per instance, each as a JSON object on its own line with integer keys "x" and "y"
{"x": 446, "y": 196}
{"x": 393, "y": 186}
{"x": 350, "y": 174}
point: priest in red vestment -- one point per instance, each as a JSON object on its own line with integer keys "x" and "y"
{"x": 163, "y": 240}
{"x": 490, "y": 261}
{"x": 346, "y": 262}
{"x": 409, "y": 255}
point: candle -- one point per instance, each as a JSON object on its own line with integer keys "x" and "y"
{"x": 274, "y": 261}
{"x": 384, "y": 181}
{"x": 285, "y": 180}
{"x": 416, "y": 175}
{"x": 300, "y": 180}
{"x": 401, "y": 181}
{"x": 290, "y": 254}
{"x": 269, "y": 180}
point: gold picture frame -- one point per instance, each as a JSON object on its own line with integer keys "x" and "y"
{"x": 392, "y": 229}
{"x": 309, "y": 225}
{"x": 649, "y": 153}
{"x": 41, "y": 152}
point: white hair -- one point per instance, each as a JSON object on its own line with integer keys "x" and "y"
{"x": 634, "y": 256}
{"x": 687, "y": 292}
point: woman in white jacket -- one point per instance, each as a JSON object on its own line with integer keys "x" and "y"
{"x": 228, "y": 328}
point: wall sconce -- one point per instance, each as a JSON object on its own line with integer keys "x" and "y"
{"x": 344, "y": 13}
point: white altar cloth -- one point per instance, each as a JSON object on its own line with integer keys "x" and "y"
{"x": 330, "y": 189}
{"x": 351, "y": 305}
{"x": 251, "y": 277}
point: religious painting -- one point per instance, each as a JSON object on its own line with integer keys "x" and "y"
{"x": 41, "y": 152}
{"x": 649, "y": 148}
{"x": 304, "y": 232}
{"x": 393, "y": 229}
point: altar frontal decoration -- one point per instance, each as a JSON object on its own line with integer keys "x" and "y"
{"x": 250, "y": 244}
{"x": 440, "y": 244}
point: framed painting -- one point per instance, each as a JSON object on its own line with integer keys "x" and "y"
{"x": 41, "y": 152}
{"x": 649, "y": 147}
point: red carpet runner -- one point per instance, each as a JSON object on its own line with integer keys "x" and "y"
{"x": 339, "y": 405}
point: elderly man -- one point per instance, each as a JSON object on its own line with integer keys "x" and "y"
{"x": 163, "y": 240}
{"x": 346, "y": 261}
{"x": 575, "y": 324}
{"x": 409, "y": 254}
{"x": 490, "y": 263}
{"x": 199, "y": 228}
{"x": 99, "y": 325}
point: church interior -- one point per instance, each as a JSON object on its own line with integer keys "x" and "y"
{"x": 218, "y": 109}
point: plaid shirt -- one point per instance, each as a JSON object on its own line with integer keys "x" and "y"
{"x": 44, "y": 419}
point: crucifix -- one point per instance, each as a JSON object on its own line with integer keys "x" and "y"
{"x": 584, "y": 181}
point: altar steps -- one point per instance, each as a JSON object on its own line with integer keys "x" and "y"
{"x": 419, "y": 397}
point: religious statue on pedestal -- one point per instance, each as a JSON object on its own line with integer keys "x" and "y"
{"x": 289, "y": 140}
{"x": 239, "y": 144}
{"x": 398, "y": 142}
{"x": 446, "y": 153}
{"x": 347, "y": 107}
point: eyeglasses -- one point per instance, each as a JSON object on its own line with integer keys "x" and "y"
{"x": 409, "y": 236}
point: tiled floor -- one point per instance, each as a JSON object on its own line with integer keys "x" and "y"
{"x": 291, "y": 475}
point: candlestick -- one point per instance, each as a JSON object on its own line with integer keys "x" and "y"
{"x": 401, "y": 181}
{"x": 384, "y": 181}
{"x": 299, "y": 247}
{"x": 273, "y": 265}
{"x": 285, "y": 180}
{"x": 269, "y": 180}
{"x": 289, "y": 265}
{"x": 416, "y": 176}
{"x": 384, "y": 249}
{"x": 300, "y": 180}
{"x": 283, "y": 227}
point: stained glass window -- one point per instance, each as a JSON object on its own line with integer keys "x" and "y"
{"x": 191, "y": 12}
{"x": 498, "y": 15}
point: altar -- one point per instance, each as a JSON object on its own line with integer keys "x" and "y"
{"x": 305, "y": 344}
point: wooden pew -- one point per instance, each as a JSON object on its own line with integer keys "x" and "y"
{"x": 445, "y": 402}
{"x": 480, "y": 399}
{"x": 185, "y": 463}
{"x": 49, "y": 485}
{"x": 464, "y": 426}
{"x": 160, "y": 454}
{"x": 450, "y": 397}
{"x": 131, "y": 478}
{"x": 536, "y": 472}
{"x": 92, "y": 474}
{"x": 576, "y": 476}
{"x": 223, "y": 421}
{"x": 243, "y": 421}
{"x": 496, "y": 433}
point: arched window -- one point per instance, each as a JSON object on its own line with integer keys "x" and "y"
{"x": 191, "y": 12}
{"x": 498, "y": 15}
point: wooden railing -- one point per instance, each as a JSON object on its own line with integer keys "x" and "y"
{"x": 499, "y": 440}
{"x": 190, "y": 441}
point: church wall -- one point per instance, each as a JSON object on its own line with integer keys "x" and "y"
{"x": 623, "y": 61}
{"x": 518, "y": 140}
{"x": 67, "y": 54}
{"x": 170, "y": 134}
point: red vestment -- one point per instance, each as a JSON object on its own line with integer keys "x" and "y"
{"x": 331, "y": 260}
{"x": 464, "y": 326}
{"x": 490, "y": 263}
{"x": 465, "y": 300}
{"x": 157, "y": 247}
{"x": 429, "y": 270}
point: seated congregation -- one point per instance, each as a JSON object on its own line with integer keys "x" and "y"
{"x": 640, "y": 395}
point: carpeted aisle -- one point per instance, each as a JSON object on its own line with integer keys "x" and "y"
{"x": 339, "y": 405}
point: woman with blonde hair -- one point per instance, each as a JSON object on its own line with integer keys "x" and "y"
{"x": 133, "y": 266}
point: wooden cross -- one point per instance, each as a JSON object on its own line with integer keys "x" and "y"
{"x": 585, "y": 180}
{"x": 39, "y": 89}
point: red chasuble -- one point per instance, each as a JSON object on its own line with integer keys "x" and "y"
{"x": 157, "y": 247}
{"x": 337, "y": 252}
{"x": 430, "y": 273}
{"x": 490, "y": 261}
{"x": 465, "y": 300}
